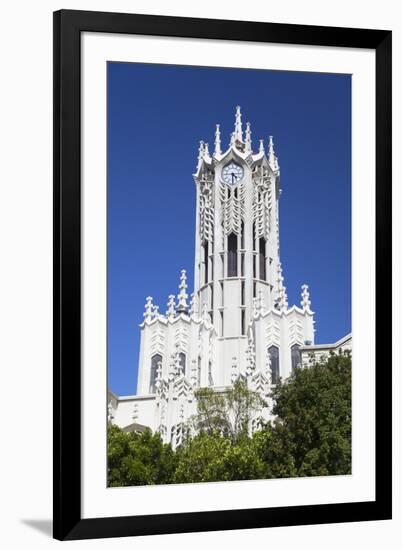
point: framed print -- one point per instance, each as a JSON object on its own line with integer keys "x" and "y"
{"x": 222, "y": 275}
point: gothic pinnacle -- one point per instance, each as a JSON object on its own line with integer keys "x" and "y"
{"x": 182, "y": 296}
{"x": 171, "y": 307}
{"x": 149, "y": 309}
{"x": 261, "y": 146}
{"x": 305, "y": 301}
{"x": 273, "y": 161}
{"x": 218, "y": 150}
{"x": 201, "y": 151}
{"x": 238, "y": 133}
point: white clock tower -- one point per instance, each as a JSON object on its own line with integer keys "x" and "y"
{"x": 238, "y": 322}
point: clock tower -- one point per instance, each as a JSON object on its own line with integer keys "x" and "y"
{"x": 237, "y": 262}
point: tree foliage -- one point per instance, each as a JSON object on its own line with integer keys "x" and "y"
{"x": 310, "y": 436}
{"x": 228, "y": 413}
{"x": 138, "y": 459}
{"x": 213, "y": 457}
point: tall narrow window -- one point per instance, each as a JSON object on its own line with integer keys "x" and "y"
{"x": 295, "y": 355}
{"x": 254, "y": 266}
{"x": 182, "y": 361}
{"x": 232, "y": 255}
{"x": 242, "y": 243}
{"x": 263, "y": 273}
{"x": 222, "y": 326}
{"x": 155, "y": 360}
{"x": 274, "y": 357}
{"x": 243, "y": 322}
{"x": 242, "y": 297}
{"x": 242, "y": 264}
{"x": 254, "y": 237}
{"x": 205, "y": 249}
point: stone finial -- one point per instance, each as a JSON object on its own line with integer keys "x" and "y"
{"x": 248, "y": 138}
{"x": 206, "y": 150}
{"x": 218, "y": 150}
{"x": 261, "y": 149}
{"x": 201, "y": 151}
{"x": 232, "y": 139}
{"x": 149, "y": 309}
{"x": 182, "y": 296}
{"x": 305, "y": 295}
{"x": 238, "y": 133}
{"x": 272, "y": 159}
{"x": 171, "y": 307}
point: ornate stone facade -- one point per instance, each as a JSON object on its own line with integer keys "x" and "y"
{"x": 238, "y": 322}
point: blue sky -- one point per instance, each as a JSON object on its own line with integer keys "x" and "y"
{"x": 156, "y": 116}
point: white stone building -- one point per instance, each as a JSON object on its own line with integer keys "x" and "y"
{"x": 237, "y": 322}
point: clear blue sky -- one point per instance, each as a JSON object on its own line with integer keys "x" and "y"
{"x": 156, "y": 116}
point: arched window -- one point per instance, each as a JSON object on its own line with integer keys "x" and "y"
{"x": 155, "y": 360}
{"x": 295, "y": 355}
{"x": 263, "y": 272}
{"x": 182, "y": 361}
{"x": 274, "y": 357}
{"x": 232, "y": 255}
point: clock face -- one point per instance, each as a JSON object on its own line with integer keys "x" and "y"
{"x": 232, "y": 173}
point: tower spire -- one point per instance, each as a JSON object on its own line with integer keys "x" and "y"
{"x": 238, "y": 125}
{"x": 182, "y": 296}
{"x": 218, "y": 150}
{"x": 248, "y": 138}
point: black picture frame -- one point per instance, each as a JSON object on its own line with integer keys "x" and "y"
{"x": 68, "y": 26}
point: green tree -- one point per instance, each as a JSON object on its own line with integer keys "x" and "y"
{"x": 213, "y": 457}
{"x": 227, "y": 413}
{"x": 311, "y": 435}
{"x": 138, "y": 459}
